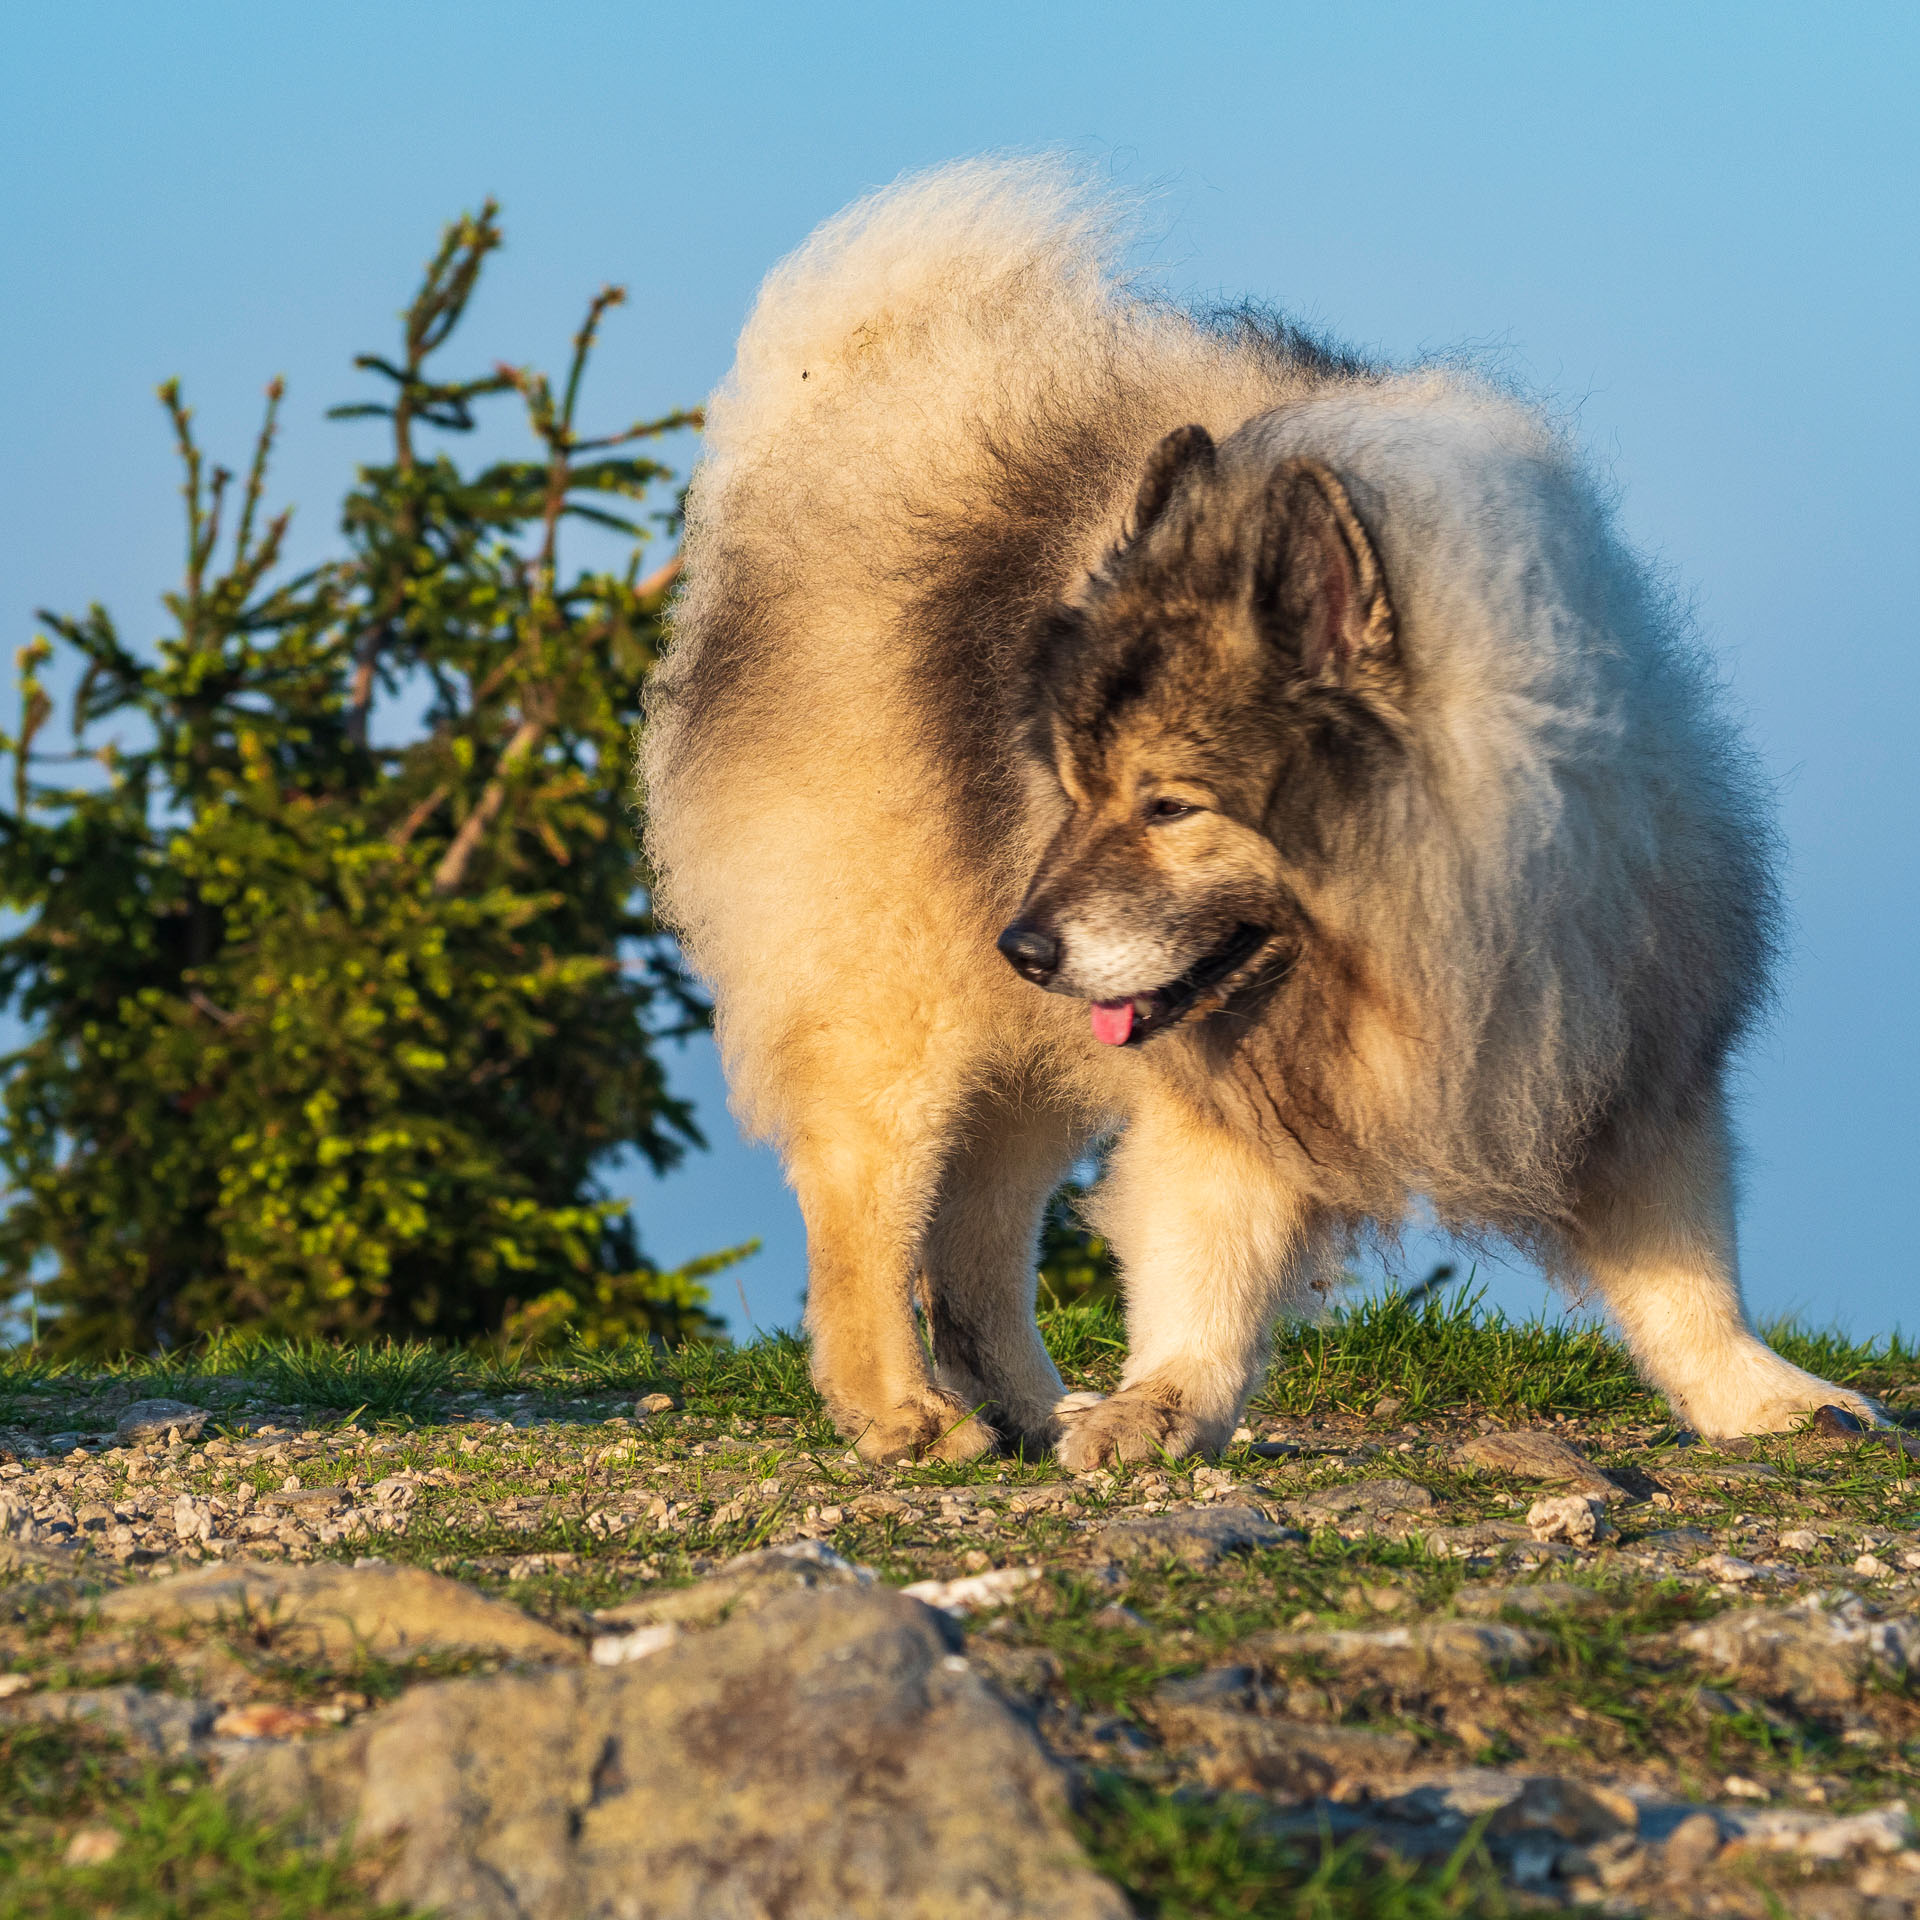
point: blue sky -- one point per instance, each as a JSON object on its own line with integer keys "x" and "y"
{"x": 1692, "y": 228}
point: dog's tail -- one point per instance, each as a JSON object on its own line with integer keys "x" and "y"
{"x": 957, "y": 294}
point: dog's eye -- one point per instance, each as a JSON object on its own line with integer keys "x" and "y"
{"x": 1162, "y": 810}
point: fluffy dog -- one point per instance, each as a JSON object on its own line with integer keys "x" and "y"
{"x": 1351, "y": 813}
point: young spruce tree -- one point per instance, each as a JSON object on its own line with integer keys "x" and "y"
{"x": 329, "y": 1035}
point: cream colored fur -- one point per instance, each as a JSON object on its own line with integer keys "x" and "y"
{"x": 1578, "y": 792}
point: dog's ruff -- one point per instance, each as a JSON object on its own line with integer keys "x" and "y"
{"x": 1311, "y": 720}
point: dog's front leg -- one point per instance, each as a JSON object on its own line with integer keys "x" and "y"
{"x": 1212, "y": 1242}
{"x": 865, "y": 1191}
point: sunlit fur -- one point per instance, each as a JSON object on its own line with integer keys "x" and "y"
{"x": 1522, "y": 959}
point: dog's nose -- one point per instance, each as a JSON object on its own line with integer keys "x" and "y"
{"x": 1031, "y": 952}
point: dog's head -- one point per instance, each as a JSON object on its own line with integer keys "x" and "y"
{"x": 1216, "y": 708}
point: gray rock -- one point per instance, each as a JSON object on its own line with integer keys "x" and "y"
{"x": 1811, "y": 1655}
{"x": 1540, "y": 1597}
{"x": 1237, "y": 1750}
{"x": 162, "y": 1725}
{"x": 1199, "y": 1536}
{"x": 331, "y": 1612}
{"x": 1720, "y": 1473}
{"x": 154, "y": 1419}
{"x": 1531, "y": 1455}
{"x": 1674, "y": 1540}
{"x": 305, "y": 1504}
{"x": 1456, "y": 1796}
{"x": 1823, "y": 1836}
{"x": 1576, "y": 1810}
{"x": 1692, "y": 1845}
{"x": 1390, "y": 1498}
{"x": 1453, "y": 1649}
{"x": 1478, "y": 1537}
{"x": 827, "y": 1757}
{"x": 1232, "y": 1688}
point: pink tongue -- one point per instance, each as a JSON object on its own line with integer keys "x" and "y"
{"x": 1112, "y": 1021}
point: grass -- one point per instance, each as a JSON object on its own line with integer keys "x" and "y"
{"x": 1183, "y": 1858}
{"x": 182, "y": 1854}
{"x": 1442, "y": 1354}
{"x": 385, "y": 1378}
{"x": 1873, "y": 1366}
{"x": 1437, "y": 1354}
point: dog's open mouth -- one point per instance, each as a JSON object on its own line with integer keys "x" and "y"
{"x": 1126, "y": 1023}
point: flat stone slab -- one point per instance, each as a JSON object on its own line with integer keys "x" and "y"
{"x": 1537, "y": 1598}
{"x": 1813, "y": 1655}
{"x": 333, "y": 1612}
{"x": 1391, "y": 1498}
{"x": 1199, "y": 1536}
{"x": 830, "y": 1756}
{"x": 155, "y": 1419}
{"x": 1243, "y": 1750}
{"x": 1458, "y": 1649}
{"x": 1527, "y": 1454}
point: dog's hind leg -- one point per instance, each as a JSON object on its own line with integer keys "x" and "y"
{"x": 1655, "y": 1233}
{"x": 1213, "y": 1241}
{"x": 978, "y": 1262}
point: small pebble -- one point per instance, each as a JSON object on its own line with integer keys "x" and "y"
{"x": 91, "y": 1847}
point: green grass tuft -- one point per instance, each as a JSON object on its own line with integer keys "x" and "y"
{"x": 183, "y": 1854}
{"x": 767, "y": 1378}
{"x": 391, "y": 1377}
{"x": 1444, "y": 1354}
{"x": 1184, "y": 1858}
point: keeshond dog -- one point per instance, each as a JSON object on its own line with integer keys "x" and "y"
{"x": 1087, "y": 719}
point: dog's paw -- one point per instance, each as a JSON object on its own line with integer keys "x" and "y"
{"x": 1784, "y": 1402}
{"x": 1130, "y": 1425}
{"x": 1797, "y": 1410}
{"x": 936, "y": 1427}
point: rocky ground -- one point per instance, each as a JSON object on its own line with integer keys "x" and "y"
{"x": 356, "y": 1634}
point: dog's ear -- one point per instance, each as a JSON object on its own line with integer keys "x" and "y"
{"x": 1318, "y": 585}
{"x": 1183, "y": 449}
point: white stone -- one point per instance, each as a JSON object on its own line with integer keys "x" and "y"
{"x": 975, "y": 1592}
{"x": 1578, "y": 1518}
{"x": 616, "y": 1649}
{"x": 192, "y": 1519}
{"x": 91, "y": 1846}
{"x": 1815, "y": 1836}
